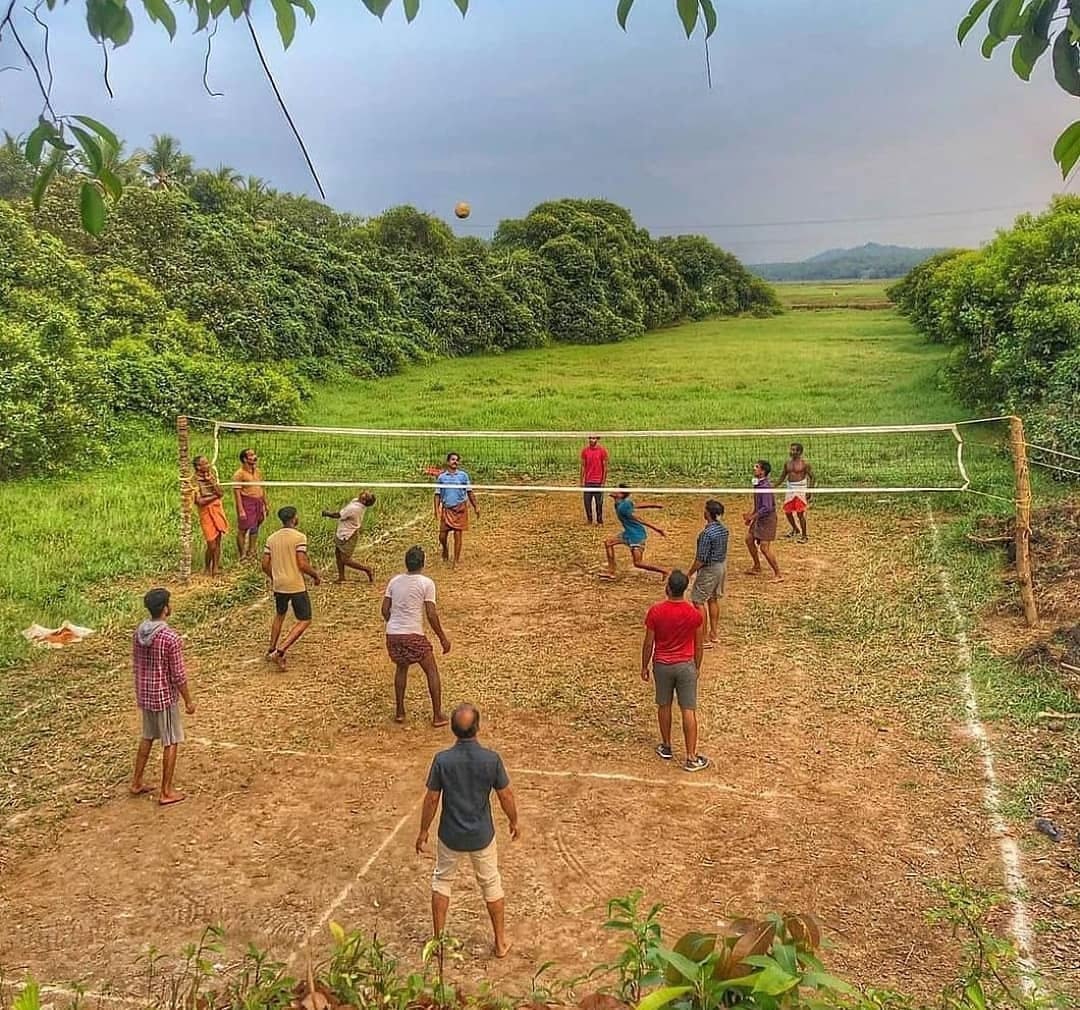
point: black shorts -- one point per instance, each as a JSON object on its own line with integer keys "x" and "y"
{"x": 301, "y": 604}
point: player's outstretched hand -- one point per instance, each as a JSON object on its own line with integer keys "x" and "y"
{"x": 661, "y": 532}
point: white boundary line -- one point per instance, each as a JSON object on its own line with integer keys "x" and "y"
{"x": 1012, "y": 870}
{"x": 344, "y": 893}
{"x": 85, "y": 996}
{"x": 768, "y": 794}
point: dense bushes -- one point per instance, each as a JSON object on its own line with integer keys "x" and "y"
{"x": 1011, "y": 313}
{"x": 225, "y": 298}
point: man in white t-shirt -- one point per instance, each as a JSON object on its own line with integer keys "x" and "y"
{"x": 409, "y": 597}
{"x": 350, "y": 518}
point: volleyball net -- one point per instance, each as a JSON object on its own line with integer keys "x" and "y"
{"x": 884, "y": 459}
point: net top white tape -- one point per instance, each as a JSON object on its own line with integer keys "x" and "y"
{"x": 660, "y": 433}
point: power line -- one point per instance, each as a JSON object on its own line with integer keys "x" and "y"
{"x": 820, "y": 221}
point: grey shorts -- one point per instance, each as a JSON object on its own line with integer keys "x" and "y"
{"x": 676, "y": 679}
{"x": 709, "y": 582}
{"x": 166, "y": 725}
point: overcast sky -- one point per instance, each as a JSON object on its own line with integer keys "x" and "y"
{"x": 819, "y": 110}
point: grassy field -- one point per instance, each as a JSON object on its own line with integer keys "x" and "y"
{"x": 833, "y": 294}
{"x": 83, "y": 547}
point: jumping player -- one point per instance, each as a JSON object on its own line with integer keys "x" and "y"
{"x": 798, "y": 478}
{"x": 350, "y": 518}
{"x": 761, "y": 522}
{"x": 633, "y": 534}
{"x": 452, "y": 505}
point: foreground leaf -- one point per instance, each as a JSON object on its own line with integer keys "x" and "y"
{"x": 285, "y": 16}
{"x": 662, "y": 997}
{"x": 92, "y": 209}
{"x": 1067, "y": 149}
{"x": 971, "y": 19}
{"x": 622, "y": 12}
{"x": 1067, "y": 64}
{"x": 688, "y": 11}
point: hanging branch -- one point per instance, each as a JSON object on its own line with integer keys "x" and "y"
{"x": 284, "y": 108}
{"x": 33, "y": 12}
{"x": 206, "y": 64}
{"x": 10, "y": 22}
{"x": 105, "y": 69}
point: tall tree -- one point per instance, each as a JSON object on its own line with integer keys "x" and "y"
{"x": 165, "y": 166}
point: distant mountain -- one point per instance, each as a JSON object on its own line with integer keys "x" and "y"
{"x": 865, "y": 262}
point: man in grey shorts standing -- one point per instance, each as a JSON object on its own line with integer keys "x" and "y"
{"x": 157, "y": 657}
{"x": 463, "y": 778}
{"x": 674, "y": 644}
{"x": 710, "y": 567}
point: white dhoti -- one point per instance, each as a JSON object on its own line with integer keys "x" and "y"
{"x": 796, "y": 495}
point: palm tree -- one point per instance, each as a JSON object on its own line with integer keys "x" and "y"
{"x": 257, "y": 194}
{"x": 165, "y": 166}
{"x": 228, "y": 175}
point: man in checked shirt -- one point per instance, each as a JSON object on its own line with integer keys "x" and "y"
{"x": 157, "y": 657}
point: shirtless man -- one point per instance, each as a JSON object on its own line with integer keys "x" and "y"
{"x": 798, "y": 478}
{"x": 252, "y": 503}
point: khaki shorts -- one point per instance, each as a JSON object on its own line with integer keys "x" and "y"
{"x": 709, "y": 582}
{"x": 485, "y": 864}
{"x": 346, "y": 547}
{"x": 166, "y": 725}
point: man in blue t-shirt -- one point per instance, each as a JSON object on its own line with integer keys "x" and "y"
{"x": 463, "y": 777}
{"x": 633, "y": 534}
{"x": 452, "y": 499}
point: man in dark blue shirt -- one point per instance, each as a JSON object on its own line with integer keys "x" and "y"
{"x": 710, "y": 567}
{"x": 463, "y": 778}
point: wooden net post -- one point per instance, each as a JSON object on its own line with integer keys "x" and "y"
{"x": 1023, "y": 521}
{"x": 187, "y": 496}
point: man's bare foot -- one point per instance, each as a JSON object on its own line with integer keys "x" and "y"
{"x": 168, "y": 799}
{"x": 140, "y": 789}
{"x": 338, "y": 582}
{"x": 399, "y": 717}
{"x": 777, "y": 577}
{"x": 501, "y": 953}
{"x": 752, "y": 571}
{"x": 278, "y": 657}
{"x": 606, "y": 576}
{"x": 440, "y": 720}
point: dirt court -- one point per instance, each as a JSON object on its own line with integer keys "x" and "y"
{"x": 841, "y": 781}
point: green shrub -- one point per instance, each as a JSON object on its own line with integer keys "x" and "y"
{"x": 52, "y": 406}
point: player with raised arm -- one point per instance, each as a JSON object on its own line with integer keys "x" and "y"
{"x": 798, "y": 479}
{"x": 633, "y": 534}
{"x": 350, "y": 518}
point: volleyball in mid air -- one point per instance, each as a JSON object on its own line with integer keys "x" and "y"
{"x": 462, "y": 210}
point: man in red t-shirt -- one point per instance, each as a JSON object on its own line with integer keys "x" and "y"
{"x": 674, "y": 645}
{"x": 594, "y": 474}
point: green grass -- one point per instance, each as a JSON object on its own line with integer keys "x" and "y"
{"x": 84, "y": 547}
{"x": 833, "y": 294}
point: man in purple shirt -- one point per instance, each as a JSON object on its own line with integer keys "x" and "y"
{"x": 761, "y": 522}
